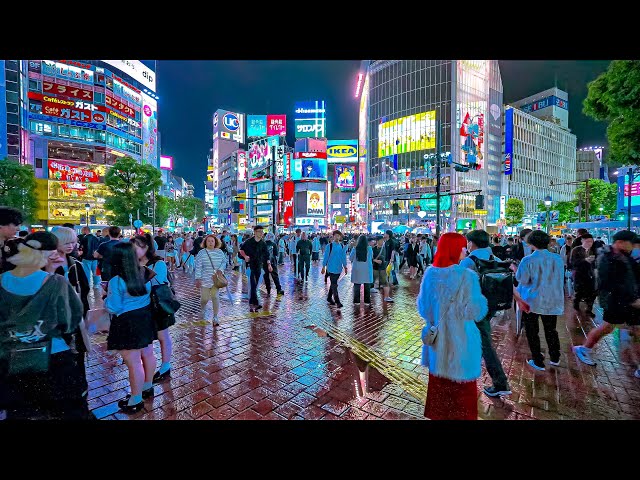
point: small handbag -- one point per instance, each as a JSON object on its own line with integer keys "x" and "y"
{"x": 98, "y": 320}
{"x": 218, "y": 277}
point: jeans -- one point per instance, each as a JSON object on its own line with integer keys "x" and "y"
{"x": 367, "y": 292}
{"x": 280, "y": 258}
{"x": 90, "y": 270}
{"x": 333, "y": 289}
{"x": 532, "y": 327}
{"x": 276, "y": 279}
{"x": 304, "y": 263}
{"x": 491, "y": 360}
{"x": 254, "y": 279}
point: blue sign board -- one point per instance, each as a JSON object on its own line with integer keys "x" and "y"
{"x": 551, "y": 101}
{"x": 256, "y": 125}
{"x": 508, "y": 142}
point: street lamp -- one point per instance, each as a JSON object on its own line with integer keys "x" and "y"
{"x": 87, "y": 207}
{"x": 547, "y": 203}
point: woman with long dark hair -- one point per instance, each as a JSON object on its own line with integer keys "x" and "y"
{"x": 412, "y": 257}
{"x": 147, "y": 257}
{"x": 132, "y": 329}
{"x": 362, "y": 269}
{"x": 451, "y": 301}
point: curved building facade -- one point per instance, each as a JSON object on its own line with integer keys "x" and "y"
{"x": 403, "y": 100}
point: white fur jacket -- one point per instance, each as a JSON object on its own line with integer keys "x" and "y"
{"x": 451, "y": 299}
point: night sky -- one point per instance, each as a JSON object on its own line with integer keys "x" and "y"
{"x": 190, "y": 91}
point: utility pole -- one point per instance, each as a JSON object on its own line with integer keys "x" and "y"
{"x": 273, "y": 188}
{"x": 153, "y": 223}
{"x": 438, "y": 167}
{"x": 586, "y": 200}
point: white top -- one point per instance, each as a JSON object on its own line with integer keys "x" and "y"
{"x": 540, "y": 279}
{"x": 207, "y": 262}
{"x": 160, "y": 267}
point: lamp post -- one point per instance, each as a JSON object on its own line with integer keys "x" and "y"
{"x": 547, "y": 203}
{"x": 87, "y": 207}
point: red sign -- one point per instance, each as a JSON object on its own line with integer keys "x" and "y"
{"x": 86, "y": 66}
{"x": 288, "y": 203}
{"x": 65, "y": 111}
{"x": 113, "y": 103}
{"x": 280, "y": 202}
{"x": 310, "y": 155}
{"x": 276, "y": 125}
{"x": 635, "y": 190}
{"x": 67, "y": 91}
{"x": 71, "y": 173}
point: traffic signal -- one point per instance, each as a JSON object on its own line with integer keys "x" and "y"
{"x": 479, "y": 202}
{"x": 236, "y": 207}
{"x": 396, "y": 209}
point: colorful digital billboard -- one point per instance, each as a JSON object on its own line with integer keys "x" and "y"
{"x": 72, "y": 173}
{"x": 260, "y": 154}
{"x": 288, "y": 190}
{"x": 310, "y": 120}
{"x": 342, "y": 151}
{"x": 277, "y": 125}
{"x": 166, "y": 162}
{"x": 136, "y": 70}
{"x": 309, "y": 169}
{"x": 315, "y": 203}
{"x": 472, "y": 138}
{"x": 256, "y": 125}
{"x": 345, "y": 177}
{"x": 407, "y": 134}
{"x": 149, "y": 130}
{"x": 508, "y": 141}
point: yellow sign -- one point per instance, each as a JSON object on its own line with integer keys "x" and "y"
{"x": 407, "y": 134}
{"x": 480, "y": 212}
{"x": 340, "y": 219}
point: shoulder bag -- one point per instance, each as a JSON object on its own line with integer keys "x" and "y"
{"x": 432, "y": 333}
{"x": 219, "y": 280}
{"x": 84, "y": 331}
{"x": 163, "y": 299}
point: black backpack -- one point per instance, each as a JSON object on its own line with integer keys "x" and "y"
{"x": 496, "y": 281}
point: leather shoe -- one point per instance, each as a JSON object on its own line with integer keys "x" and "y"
{"x": 131, "y": 408}
{"x": 158, "y": 377}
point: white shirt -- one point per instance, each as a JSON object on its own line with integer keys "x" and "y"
{"x": 207, "y": 262}
{"x": 540, "y": 279}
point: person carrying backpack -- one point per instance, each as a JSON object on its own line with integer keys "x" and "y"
{"x": 499, "y": 295}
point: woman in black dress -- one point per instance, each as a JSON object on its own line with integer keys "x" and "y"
{"x": 412, "y": 257}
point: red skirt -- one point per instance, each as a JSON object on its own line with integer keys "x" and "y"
{"x": 449, "y": 400}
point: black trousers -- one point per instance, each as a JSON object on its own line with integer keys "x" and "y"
{"x": 304, "y": 263}
{"x": 585, "y": 293}
{"x": 532, "y": 327}
{"x": 253, "y": 281}
{"x": 295, "y": 263}
{"x": 491, "y": 360}
{"x": 276, "y": 279}
{"x": 367, "y": 292}
{"x": 333, "y": 288}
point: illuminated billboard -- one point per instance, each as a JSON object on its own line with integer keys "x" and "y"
{"x": 74, "y": 173}
{"x": 242, "y": 165}
{"x": 260, "y": 154}
{"x": 407, "y": 134}
{"x": 256, "y": 125}
{"x": 508, "y": 142}
{"x": 310, "y": 119}
{"x": 288, "y": 190}
{"x": 472, "y": 138}
{"x": 137, "y": 70}
{"x": 277, "y": 125}
{"x": 228, "y": 125}
{"x": 309, "y": 169}
{"x": 149, "y": 130}
{"x": 342, "y": 151}
{"x": 345, "y": 177}
{"x": 166, "y": 162}
{"x": 315, "y": 203}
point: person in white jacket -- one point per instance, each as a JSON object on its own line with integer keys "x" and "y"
{"x": 208, "y": 260}
{"x": 451, "y": 301}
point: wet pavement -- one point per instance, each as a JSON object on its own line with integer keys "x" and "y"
{"x": 300, "y": 358}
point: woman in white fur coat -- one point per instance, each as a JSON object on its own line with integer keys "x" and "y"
{"x": 451, "y": 300}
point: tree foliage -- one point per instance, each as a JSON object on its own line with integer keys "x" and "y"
{"x": 190, "y": 208}
{"x": 566, "y": 210}
{"x": 131, "y": 186}
{"x": 601, "y": 194}
{"x": 614, "y": 97}
{"x": 18, "y": 188}
{"x": 514, "y": 211}
{"x": 163, "y": 208}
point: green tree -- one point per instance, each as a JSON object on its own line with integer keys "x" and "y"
{"x": 601, "y": 194}
{"x": 514, "y": 212}
{"x": 163, "y": 209}
{"x": 566, "y": 210}
{"x": 614, "y": 97}
{"x": 131, "y": 185}
{"x": 190, "y": 208}
{"x": 18, "y": 188}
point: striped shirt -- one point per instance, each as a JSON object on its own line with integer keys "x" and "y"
{"x": 207, "y": 262}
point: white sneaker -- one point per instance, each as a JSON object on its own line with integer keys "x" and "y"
{"x": 374, "y": 290}
{"x": 555, "y": 364}
{"x": 584, "y": 354}
{"x": 388, "y": 299}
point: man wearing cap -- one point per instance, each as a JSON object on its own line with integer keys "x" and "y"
{"x": 617, "y": 293}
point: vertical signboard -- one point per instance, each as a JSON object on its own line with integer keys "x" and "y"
{"x": 277, "y": 125}
{"x": 287, "y": 199}
{"x": 310, "y": 119}
{"x": 256, "y": 125}
{"x": 149, "y": 130}
{"x": 242, "y": 165}
{"x": 508, "y": 142}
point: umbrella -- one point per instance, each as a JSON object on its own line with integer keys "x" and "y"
{"x": 401, "y": 229}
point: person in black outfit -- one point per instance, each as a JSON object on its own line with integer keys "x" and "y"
{"x": 582, "y": 265}
{"x": 104, "y": 251}
{"x": 272, "y": 248}
{"x": 412, "y": 257}
{"x": 303, "y": 248}
{"x": 255, "y": 253}
{"x": 497, "y": 249}
{"x": 519, "y": 251}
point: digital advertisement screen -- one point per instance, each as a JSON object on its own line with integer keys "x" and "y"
{"x": 315, "y": 203}
{"x": 72, "y": 173}
{"x": 310, "y": 119}
{"x": 259, "y": 155}
{"x": 345, "y": 177}
{"x": 407, "y": 134}
{"x": 166, "y": 162}
{"x": 256, "y": 125}
{"x": 288, "y": 190}
{"x": 472, "y": 138}
{"x": 342, "y": 151}
{"x": 635, "y": 192}
{"x": 276, "y": 125}
{"x": 149, "y": 130}
{"x": 508, "y": 142}
{"x": 309, "y": 169}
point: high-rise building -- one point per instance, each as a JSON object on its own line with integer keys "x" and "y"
{"x": 10, "y": 122}
{"x": 551, "y": 105}
{"x": 400, "y": 103}
{"x": 81, "y": 116}
{"x": 590, "y": 164}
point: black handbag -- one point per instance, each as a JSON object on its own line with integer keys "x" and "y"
{"x": 163, "y": 300}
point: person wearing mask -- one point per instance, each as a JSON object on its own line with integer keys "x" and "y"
{"x": 293, "y": 251}
{"x": 254, "y": 251}
{"x": 393, "y": 255}
{"x": 178, "y": 241}
{"x": 361, "y": 258}
{"x": 451, "y": 302}
{"x": 38, "y": 309}
{"x": 10, "y": 221}
{"x": 161, "y": 242}
{"x": 540, "y": 281}
{"x": 411, "y": 255}
{"x": 89, "y": 244}
{"x": 145, "y": 251}
{"x": 522, "y": 249}
{"x": 303, "y": 249}
{"x": 497, "y": 249}
{"x": 618, "y": 293}
{"x": 582, "y": 264}
{"x": 334, "y": 261}
{"x": 281, "y": 250}
{"x": 132, "y": 329}
{"x": 315, "y": 252}
{"x": 103, "y": 253}
{"x": 208, "y": 260}
{"x": 478, "y": 247}
{"x": 272, "y": 248}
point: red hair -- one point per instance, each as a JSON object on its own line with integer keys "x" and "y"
{"x": 450, "y": 246}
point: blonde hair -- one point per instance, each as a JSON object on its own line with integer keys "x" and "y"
{"x": 30, "y": 257}
{"x": 65, "y": 235}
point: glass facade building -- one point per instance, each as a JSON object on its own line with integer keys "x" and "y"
{"x": 399, "y": 106}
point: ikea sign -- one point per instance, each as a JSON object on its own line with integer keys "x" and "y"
{"x": 342, "y": 151}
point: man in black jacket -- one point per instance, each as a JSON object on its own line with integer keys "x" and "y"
{"x": 617, "y": 292}
{"x": 272, "y": 248}
{"x": 303, "y": 248}
{"x": 581, "y": 263}
{"x": 255, "y": 253}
